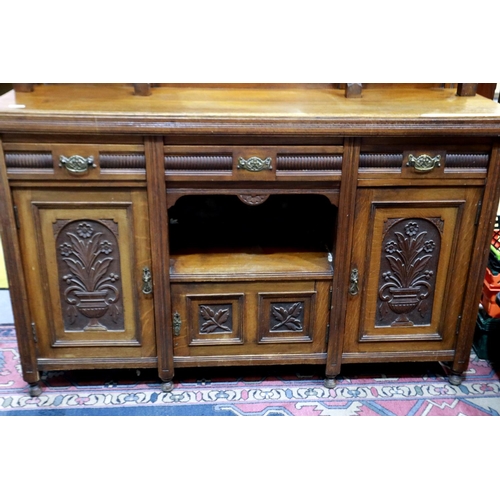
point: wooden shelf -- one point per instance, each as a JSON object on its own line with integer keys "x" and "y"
{"x": 250, "y": 265}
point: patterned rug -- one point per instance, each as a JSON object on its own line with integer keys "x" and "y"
{"x": 419, "y": 389}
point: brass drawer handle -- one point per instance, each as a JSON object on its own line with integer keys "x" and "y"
{"x": 147, "y": 281}
{"x": 255, "y": 164}
{"x": 423, "y": 163}
{"x": 76, "y": 164}
{"x": 353, "y": 284}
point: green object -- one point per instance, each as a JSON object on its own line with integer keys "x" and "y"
{"x": 487, "y": 337}
{"x": 496, "y": 253}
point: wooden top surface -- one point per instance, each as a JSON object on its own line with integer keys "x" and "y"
{"x": 111, "y": 108}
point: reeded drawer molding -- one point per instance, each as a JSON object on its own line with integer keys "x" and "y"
{"x": 196, "y": 163}
{"x": 253, "y": 163}
{"x": 123, "y": 163}
{"x": 467, "y": 163}
{"x": 29, "y": 163}
{"x": 380, "y": 162}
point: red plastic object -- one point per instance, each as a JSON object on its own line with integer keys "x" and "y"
{"x": 492, "y": 279}
{"x": 488, "y": 298}
{"x": 495, "y": 241}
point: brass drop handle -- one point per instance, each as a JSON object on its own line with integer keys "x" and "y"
{"x": 353, "y": 283}
{"x": 147, "y": 281}
{"x": 423, "y": 163}
{"x": 255, "y": 164}
{"x": 76, "y": 164}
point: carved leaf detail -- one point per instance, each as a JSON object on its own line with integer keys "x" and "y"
{"x": 72, "y": 313}
{"x": 222, "y": 315}
{"x": 205, "y": 312}
{"x": 279, "y": 313}
{"x": 396, "y": 264}
{"x": 384, "y": 308}
{"x": 288, "y": 318}
{"x": 115, "y": 311}
{"x": 214, "y": 319}
{"x": 209, "y": 327}
{"x": 419, "y": 266}
{"x": 423, "y": 308}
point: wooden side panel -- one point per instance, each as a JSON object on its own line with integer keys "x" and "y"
{"x": 17, "y": 283}
{"x": 473, "y": 282}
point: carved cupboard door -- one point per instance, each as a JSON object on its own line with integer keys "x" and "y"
{"x": 84, "y": 254}
{"x": 408, "y": 270}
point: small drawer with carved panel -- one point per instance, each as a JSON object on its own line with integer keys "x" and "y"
{"x": 253, "y": 163}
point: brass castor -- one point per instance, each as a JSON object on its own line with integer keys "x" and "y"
{"x": 330, "y": 383}
{"x": 455, "y": 378}
{"x": 167, "y": 386}
{"x": 35, "y": 390}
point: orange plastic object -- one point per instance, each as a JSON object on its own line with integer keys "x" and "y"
{"x": 491, "y": 279}
{"x": 488, "y": 299}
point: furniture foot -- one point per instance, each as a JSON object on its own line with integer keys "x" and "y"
{"x": 35, "y": 390}
{"x": 455, "y": 378}
{"x": 167, "y": 386}
{"x": 330, "y": 382}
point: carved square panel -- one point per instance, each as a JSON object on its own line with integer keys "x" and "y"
{"x": 286, "y": 317}
{"x": 215, "y": 319}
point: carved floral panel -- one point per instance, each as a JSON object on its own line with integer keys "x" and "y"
{"x": 408, "y": 268}
{"x": 88, "y": 262}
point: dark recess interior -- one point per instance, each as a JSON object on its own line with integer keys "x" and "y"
{"x": 212, "y": 223}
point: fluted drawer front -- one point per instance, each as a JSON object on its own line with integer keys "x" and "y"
{"x": 467, "y": 162}
{"x": 29, "y": 162}
{"x": 123, "y": 163}
{"x": 380, "y": 162}
{"x": 308, "y": 163}
{"x": 199, "y": 163}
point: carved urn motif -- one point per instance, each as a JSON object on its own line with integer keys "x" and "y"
{"x": 408, "y": 282}
{"x": 87, "y": 254}
{"x": 93, "y": 305}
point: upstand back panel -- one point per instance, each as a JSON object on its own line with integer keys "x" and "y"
{"x": 237, "y": 226}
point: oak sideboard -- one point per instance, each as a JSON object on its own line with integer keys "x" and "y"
{"x": 174, "y": 226}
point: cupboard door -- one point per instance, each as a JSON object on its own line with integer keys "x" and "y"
{"x": 408, "y": 268}
{"x": 245, "y": 319}
{"x": 84, "y": 254}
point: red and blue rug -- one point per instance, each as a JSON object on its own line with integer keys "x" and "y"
{"x": 419, "y": 389}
